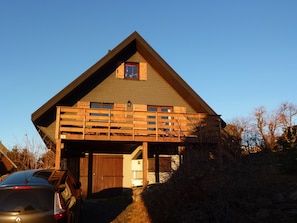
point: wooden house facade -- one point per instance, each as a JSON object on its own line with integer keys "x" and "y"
{"x": 126, "y": 120}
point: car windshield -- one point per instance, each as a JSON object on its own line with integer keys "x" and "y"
{"x": 33, "y": 199}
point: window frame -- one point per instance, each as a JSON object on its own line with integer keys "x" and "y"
{"x": 128, "y": 76}
{"x": 160, "y": 109}
{"x": 101, "y": 105}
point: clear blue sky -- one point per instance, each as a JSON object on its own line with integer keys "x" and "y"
{"x": 237, "y": 55}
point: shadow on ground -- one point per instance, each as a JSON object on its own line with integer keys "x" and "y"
{"x": 106, "y": 205}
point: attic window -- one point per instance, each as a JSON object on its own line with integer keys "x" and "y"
{"x": 131, "y": 71}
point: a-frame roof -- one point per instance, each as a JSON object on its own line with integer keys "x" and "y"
{"x": 133, "y": 43}
{"x": 3, "y": 148}
{"x": 6, "y": 165}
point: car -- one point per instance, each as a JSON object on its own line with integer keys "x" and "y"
{"x": 41, "y": 196}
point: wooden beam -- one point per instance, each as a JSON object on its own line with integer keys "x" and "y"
{"x": 157, "y": 167}
{"x": 58, "y": 154}
{"x": 144, "y": 164}
{"x": 58, "y": 118}
{"x": 219, "y": 146}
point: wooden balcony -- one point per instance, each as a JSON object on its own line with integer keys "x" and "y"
{"x": 142, "y": 126}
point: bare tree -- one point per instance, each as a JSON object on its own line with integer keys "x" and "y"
{"x": 47, "y": 160}
{"x": 240, "y": 125}
{"x": 267, "y": 126}
{"x": 32, "y": 150}
{"x": 273, "y": 127}
{"x": 23, "y": 158}
{"x": 260, "y": 117}
{"x": 287, "y": 114}
{"x": 266, "y": 129}
{"x": 31, "y": 154}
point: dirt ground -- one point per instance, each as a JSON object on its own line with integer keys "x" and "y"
{"x": 136, "y": 212}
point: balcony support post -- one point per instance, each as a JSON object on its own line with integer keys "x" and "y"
{"x": 144, "y": 164}
{"x": 58, "y": 154}
{"x": 90, "y": 173}
{"x": 219, "y": 145}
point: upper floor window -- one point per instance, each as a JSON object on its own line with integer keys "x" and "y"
{"x": 101, "y": 105}
{"x": 159, "y": 108}
{"x": 165, "y": 118}
{"x": 105, "y": 106}
{"x": 132, "y": 71}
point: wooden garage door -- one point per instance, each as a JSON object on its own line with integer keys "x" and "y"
{"x": 107, "y": 172}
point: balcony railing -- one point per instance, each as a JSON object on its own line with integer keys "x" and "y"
{"x": 122, "y": 125}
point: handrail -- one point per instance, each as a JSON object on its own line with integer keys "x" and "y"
{"x": 110, "y": 124}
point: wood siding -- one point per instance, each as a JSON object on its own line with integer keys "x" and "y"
{"x": 153, "y": 91}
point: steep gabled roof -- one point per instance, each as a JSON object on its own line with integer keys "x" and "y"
{"x": 3, "y": 148}
{"x": 6, "y": 165}
{"x": 133, "y": 43}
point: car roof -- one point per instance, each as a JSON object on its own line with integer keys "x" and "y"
{"x": 39, "y": 177}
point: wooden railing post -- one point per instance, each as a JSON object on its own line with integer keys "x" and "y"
{"x": 133, "y": 122}
{"x": 109, "y": 124}
{"x": 58, "y": 114}
{"x": 58, "y": 140}
{"x": 157, "y": 130}
{"x": 179, "y": 128}
{"x": 84, "y": 122}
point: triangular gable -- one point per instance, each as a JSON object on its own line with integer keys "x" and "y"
{"x": 133, "y": 43}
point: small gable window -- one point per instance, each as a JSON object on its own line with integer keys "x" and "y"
{"x": 131, "y": 71}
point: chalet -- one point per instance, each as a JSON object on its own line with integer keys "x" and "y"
{"x": 126, "y": 120}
